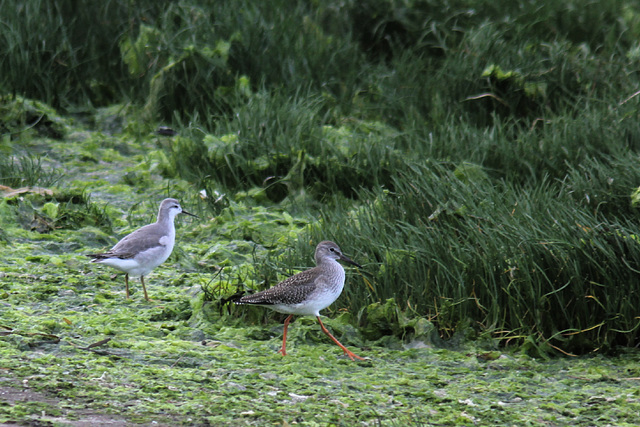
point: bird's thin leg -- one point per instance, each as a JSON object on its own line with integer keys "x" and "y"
{"x": 283, "y": 350}
{"x": 345, "y": 349}
{"x": 126, "y": 282}
{"x": 144, "y": 288}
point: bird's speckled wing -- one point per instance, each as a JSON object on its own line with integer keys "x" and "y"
{"x": 292, "y": 290}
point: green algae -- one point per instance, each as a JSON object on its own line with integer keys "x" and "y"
{"x": 156, "y": 369}
{"x": 226, "y": 385}
{"x": 72, "y": 347}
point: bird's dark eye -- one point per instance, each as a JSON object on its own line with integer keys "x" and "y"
{"x": 332, "y": 250}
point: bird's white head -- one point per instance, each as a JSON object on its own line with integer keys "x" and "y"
{"x": 169, "y": 208}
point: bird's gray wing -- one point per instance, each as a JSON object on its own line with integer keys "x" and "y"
{"x": 145, "y": 238}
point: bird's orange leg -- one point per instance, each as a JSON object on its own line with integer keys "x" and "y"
{"x": 345, "y": 349}
{"x": 283, "y": 350}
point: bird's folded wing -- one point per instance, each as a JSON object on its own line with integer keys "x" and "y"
{"x": 289, "y": 290}
{"x": 139, "y": 241}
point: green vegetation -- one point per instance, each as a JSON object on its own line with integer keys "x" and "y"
{"x": 479, "y": 158}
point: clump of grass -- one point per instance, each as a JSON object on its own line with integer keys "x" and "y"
{"x": 59, "y": 210}
{"x": 20, "y": 116}
{"x": 275, "y": 142}
{"x": 518, "y": 262}
{"x": 27, "y": 171}
{"x": 77, "y": 210}
{"x": 76, "y": 48}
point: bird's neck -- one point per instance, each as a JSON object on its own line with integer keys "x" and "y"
{"x": 165, "y": 218}
{"x": 330, "y": 264}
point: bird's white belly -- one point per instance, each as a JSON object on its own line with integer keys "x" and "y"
{"x": 130, "y": 266}
{"x": 141, "y": 264}
{"x": 310, "y": 307}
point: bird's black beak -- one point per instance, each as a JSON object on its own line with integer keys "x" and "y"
{"x": 349, "y": 261}
{"x": 190, "y": 214}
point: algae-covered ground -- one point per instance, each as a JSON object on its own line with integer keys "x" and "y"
{"x": 74, "y": 351}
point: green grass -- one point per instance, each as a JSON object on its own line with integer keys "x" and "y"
{"x": 26, "y": 171}
{"x": 521, "y": 262}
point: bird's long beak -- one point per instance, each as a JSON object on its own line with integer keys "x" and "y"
{"x": 190, "y": 214}
{"x": 349, "y": 261}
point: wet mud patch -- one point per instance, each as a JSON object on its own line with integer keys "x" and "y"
{"x": 25, "y": 403}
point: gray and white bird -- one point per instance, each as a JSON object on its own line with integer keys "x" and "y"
{"x": 308, "y": 292}
{"x": 146, "y": 248}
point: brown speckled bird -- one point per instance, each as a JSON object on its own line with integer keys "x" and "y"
{"x": 308, "y": 292}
